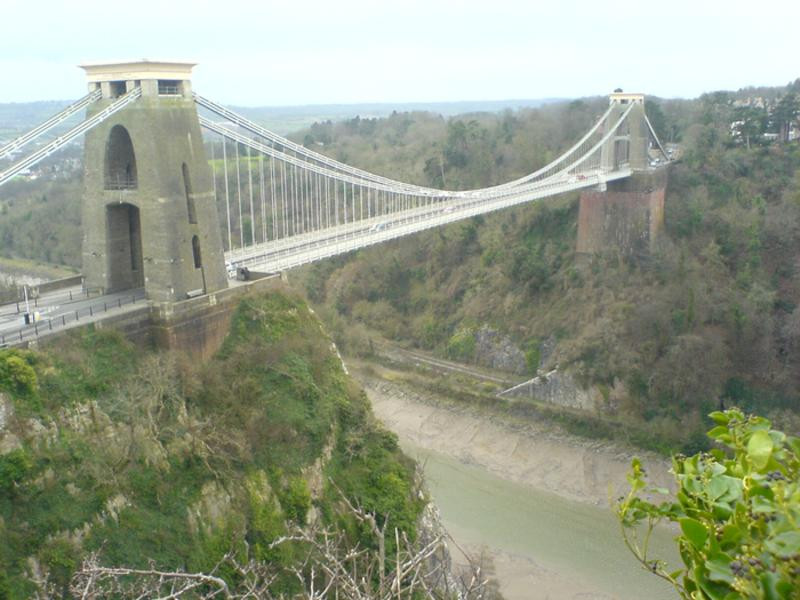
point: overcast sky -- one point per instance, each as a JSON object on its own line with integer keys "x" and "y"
{"x": 351, "y": 51}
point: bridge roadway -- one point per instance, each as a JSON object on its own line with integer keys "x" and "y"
{"x": 61, "y": 309}
{"x": 305, "y": 248}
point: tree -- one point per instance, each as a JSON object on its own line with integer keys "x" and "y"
{"x": 738, "y": 509}
{"x": 658, "y": 120}
{"x": 785, "y": 114}
{"x": 750, "y": 123}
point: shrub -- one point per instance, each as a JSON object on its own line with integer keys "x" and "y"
{"x": 14, "y": 467}
{"x": 461, "y": 345}
{"x": 16, "y": 373}
{"x": 5, "y": 586}
{"x": 533, "y": 356}
{"x": 61, "y": 557}
{"x": 296, "y": 500}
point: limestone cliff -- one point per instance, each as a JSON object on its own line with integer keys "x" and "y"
{"x": 152, "y": 456}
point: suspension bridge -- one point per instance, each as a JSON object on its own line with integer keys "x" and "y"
{"x": 159, "y": 215}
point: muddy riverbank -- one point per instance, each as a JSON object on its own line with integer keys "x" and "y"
{"x": 532, "y": 453}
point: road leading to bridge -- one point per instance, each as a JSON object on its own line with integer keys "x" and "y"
{"x": 62, "y": 309}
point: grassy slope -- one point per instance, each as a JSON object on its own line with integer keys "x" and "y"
{"x": 150, "y": 456}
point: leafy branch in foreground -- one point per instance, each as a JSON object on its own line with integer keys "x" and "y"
{"x": 738, "y": 509}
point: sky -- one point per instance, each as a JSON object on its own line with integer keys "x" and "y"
{"x": 299, "y": 52}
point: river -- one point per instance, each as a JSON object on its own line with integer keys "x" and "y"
{"x": 535, "y": 499}
{"x": 544, "y": 546}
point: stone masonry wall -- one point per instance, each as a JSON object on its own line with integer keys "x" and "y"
{"x": 627, "y": 218}
{"x": 197, "y": 326}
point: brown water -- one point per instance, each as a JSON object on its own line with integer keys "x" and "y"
{"x": 576, "y": 541}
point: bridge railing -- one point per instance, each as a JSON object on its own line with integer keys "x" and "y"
{"x": 120, "y": 183}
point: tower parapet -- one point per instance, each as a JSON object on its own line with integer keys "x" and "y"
{"x": 149, "y": 211}
{"x": 155, "y": 78}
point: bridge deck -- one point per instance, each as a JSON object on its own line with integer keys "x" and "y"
{"x": 302, "y": 249}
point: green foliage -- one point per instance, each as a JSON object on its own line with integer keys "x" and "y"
{"x": 27, "y": 227}
{"x": 14, "y": 467}
{"x": 296, "y": 500}
{"x": 265, "y": 519}
{"x": 532, "y": 356}
{"x": 16, "y": 371}
{"x": 60, "y": 557}
{"x": 84, "y": 364}
{"x": 738, "y": 509}
{"x": 461, "y": 345}
{"x": 5, "y": 586}
{"x": 265, "y": 319}
{"x": 371, "y": 472}
{"x": 430, "y": 333}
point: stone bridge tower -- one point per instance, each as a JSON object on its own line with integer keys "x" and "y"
{"x": 149, "y": 210}
{"x": 628, "y": 215}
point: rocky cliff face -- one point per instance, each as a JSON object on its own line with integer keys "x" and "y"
{"x": 8, "y": 441}
{"x": 496, "y": 351}
{"x": 559, "y": 389}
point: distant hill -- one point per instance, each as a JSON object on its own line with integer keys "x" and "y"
{"x": 286, "y": 119}
{"x": 17, "y": 117}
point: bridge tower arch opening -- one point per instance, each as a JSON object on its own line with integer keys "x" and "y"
{"x": 149, "y": 204}
{"x": 124, "y": 247}
{"x": 120, "y": 161}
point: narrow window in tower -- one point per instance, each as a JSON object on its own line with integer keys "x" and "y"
{"x": 198, "y": 261}
{"x": 187, "y": 188}
{"x": 134, "y": 236}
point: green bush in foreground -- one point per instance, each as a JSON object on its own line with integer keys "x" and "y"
{"x": 738, "y": 509}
